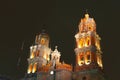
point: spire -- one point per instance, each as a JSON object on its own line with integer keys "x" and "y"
{"x": 56, "y": 50}
{"x": 56, "y": 47}
{"x": 56, "y": 55}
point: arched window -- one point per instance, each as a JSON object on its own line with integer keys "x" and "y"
{"x": 30, "y": 68}
{"x": 34, "y": 68}
{"x": 87, "y": 41}
{"x": 88, "y": 57}
{"x": 32, "y": 55}
{"x": 42, "y": 41}
{"x": 80, "y": 44}
{"x": 81, "y": 59}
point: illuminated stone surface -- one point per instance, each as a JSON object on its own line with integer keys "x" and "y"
{"x": 42, "y": 66}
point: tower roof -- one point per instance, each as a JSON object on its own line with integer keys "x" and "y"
{"x": 87, "y": 24}
{"x": 41, "y": 35}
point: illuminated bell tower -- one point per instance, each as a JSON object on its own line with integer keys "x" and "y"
{"x": 39, "y": 53}
{"x": 88, "y": 52}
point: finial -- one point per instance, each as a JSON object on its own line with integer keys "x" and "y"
{"x": 56, "y": 47}
{"x": 86, "y": 14}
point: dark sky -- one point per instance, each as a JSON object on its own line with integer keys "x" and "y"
{"x": 21, "y": 20}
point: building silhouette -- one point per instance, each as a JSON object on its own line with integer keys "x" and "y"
{"x": 44, "y": 63}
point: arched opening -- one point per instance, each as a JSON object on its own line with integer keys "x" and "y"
{"x": 42, "y": 41}
{"x": 32, "y": 55}
{"x": 34, "y": 68}
{"x": 30, "y": 68}
{"x": 81, "y": 59}
{"x": 88, "y": 57}
{"x": 87, "y": 42}
{"x": 80, "y": 43}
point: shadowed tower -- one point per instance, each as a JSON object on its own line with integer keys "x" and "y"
{"x": 39, "y": 53}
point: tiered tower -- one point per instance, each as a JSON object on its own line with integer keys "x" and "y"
{"x": 88, "y": 53}
{"x": 39, "y": 54}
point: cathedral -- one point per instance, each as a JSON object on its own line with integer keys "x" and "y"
{"x": 44, "y": 63}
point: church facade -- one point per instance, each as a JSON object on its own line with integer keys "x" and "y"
{"x": 44, "y": 63}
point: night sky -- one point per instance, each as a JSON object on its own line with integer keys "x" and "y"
{"x": 21, "y": 20}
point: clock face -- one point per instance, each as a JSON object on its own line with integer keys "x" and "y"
{"x": 42, "y": 41}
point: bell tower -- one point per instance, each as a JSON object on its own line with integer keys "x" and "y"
{"x": 39, "y": 53}
{"x": 87, "y": 51}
